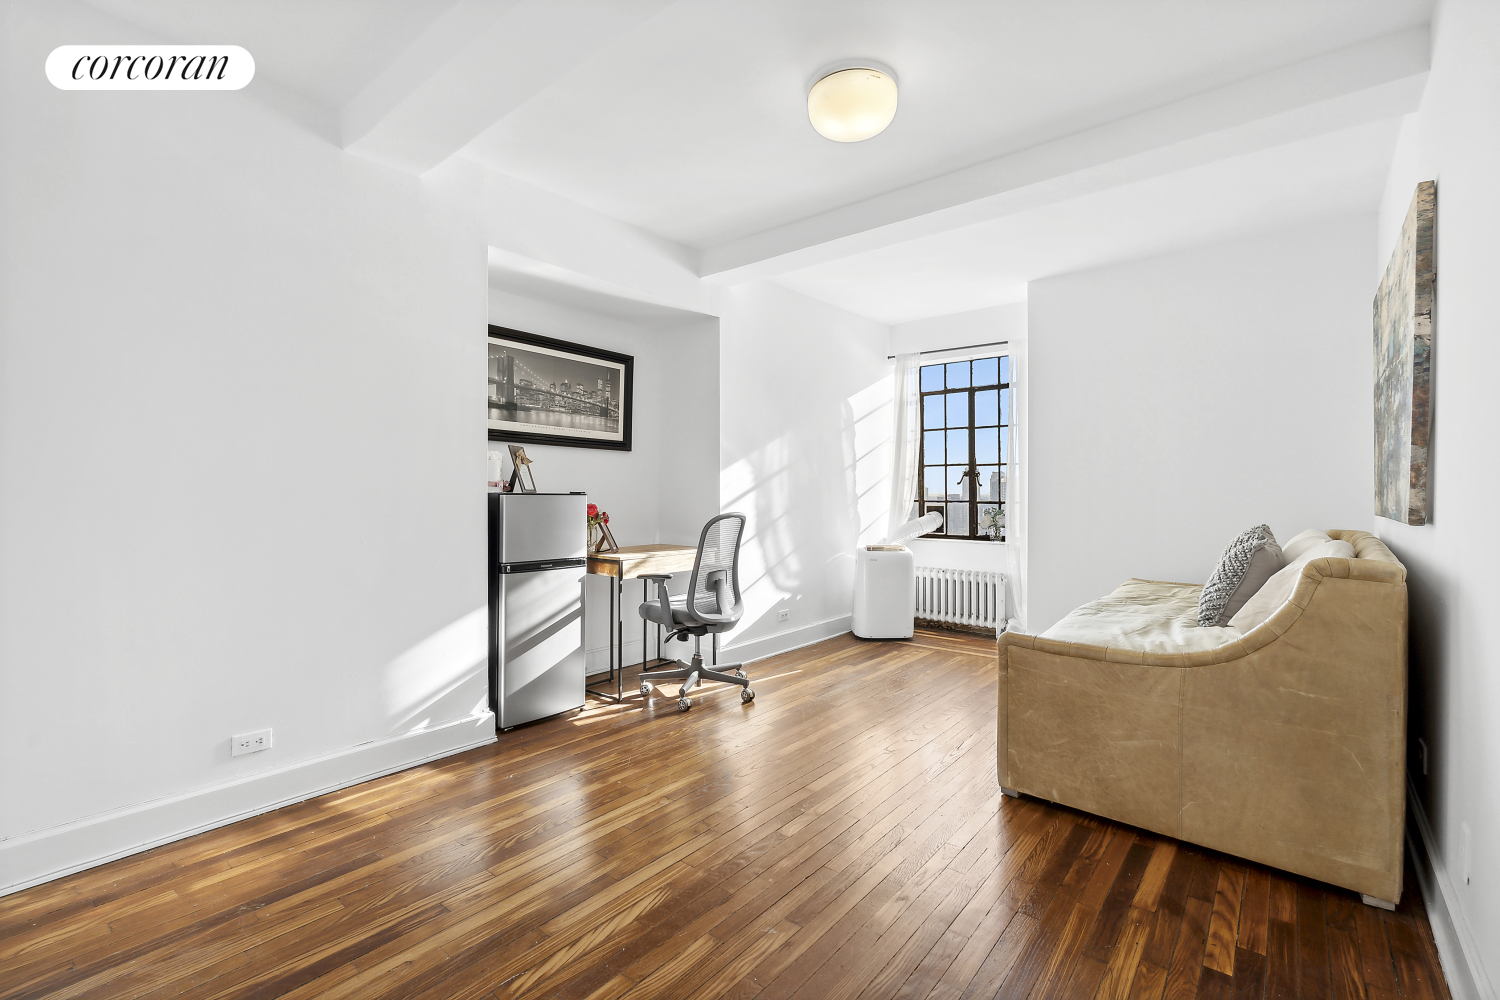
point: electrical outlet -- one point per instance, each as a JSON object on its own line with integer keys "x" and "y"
{"x": 250, "y": 742}
{"x": 1467, "y": 850}
{"x": 1422, "y": 744}
{"x": 783, "y": 616}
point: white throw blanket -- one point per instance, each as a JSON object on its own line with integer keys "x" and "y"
{"x": 1145, "y": 615}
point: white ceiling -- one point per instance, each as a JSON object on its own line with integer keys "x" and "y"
{"x": 1033, "y": 138}
{"x": 988, "y": 264}
{"x": 693, "y": 126}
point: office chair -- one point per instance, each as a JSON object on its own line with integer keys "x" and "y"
{"x": 712, "y": 604}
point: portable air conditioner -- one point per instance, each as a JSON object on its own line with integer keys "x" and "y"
{"x": 885, "y": 583}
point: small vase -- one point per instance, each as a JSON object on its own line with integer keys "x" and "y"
{"x": 595, "y": 537}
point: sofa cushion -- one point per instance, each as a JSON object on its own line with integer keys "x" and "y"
{"x": 1301, "y": 543}
{"x": 1145, "y": 615}
{"x": 1264, "y": 602}
{"x": 1247, "y": 563}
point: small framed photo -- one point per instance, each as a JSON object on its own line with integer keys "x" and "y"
{"x": 545, "y": 391}
{"x": 520, "y": 472}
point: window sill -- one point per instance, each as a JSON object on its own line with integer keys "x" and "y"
{"x": 966, "y": 541}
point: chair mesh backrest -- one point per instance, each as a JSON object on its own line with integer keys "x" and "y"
{"x": 718, "y": 549}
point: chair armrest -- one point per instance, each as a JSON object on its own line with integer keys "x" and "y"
{"x": 660, "y": 579}
{"x": 713, "y": 619}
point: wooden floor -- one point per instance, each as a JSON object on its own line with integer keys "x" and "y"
{"x": 843, "y": 836}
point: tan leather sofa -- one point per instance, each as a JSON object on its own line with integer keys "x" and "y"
{"x": 1285, "y": 746}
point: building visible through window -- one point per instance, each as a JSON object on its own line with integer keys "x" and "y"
{"x": 964, "y": 453}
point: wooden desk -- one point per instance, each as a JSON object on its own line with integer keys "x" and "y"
{"x": 643, "y": 560}
{"x": 629, "y": 562}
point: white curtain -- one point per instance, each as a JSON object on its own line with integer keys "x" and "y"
{"x": 904, "y": 430}
{"x": 1015, "y": 493}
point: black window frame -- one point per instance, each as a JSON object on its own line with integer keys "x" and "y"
{"x": 974, "y": 502}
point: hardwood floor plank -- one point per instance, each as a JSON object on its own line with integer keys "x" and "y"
{"x": 1057, "y": 969}
{"x": 1154, "y": 880}
{"x": 982, "y": 950}
{"x": 1215, "y": 985}
{"x": 1255, "y": 910}
{"x": 1223, "y": 925}
{"x": 1167, "y": 926}
{"x": 998, "y": 964}
{"x": 1150, "y": 982}
{"x": 1281, "y": 960}
{"x": 1312, "y": 942}
{"x": 1187, "y": 957}
{"x": 1377, "y": 968}
{"x": 1249, "y": 975}
{"x": 842, "y": 837}
{"x": 1084, "y": 982}
{"x": 1125, "y": 956}
{"x": 1283, "y": 899}
{"x": 1413, "y": 974}
{"x": 1115, "y": 910}
{"x": 1346, "y": 979}
{"x": 1205, "y": 883}
{"x": 967, "y": 941}
{"x": 1062, "y": 924}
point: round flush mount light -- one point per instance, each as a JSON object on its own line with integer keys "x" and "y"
{"x": 852, "y": 102}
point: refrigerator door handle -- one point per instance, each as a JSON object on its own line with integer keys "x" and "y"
{"x": 541, "y": 565}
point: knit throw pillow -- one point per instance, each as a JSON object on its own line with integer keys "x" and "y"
{"x": 1247, "y": 563}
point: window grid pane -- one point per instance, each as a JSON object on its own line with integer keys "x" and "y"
{"x": 965, "y": 418}
{"x": 958, "y": 409}
{"x": 932, "y": 447}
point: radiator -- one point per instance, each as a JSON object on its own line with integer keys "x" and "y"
{"x": 969, "y": 597}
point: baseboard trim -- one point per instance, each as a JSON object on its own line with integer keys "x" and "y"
{"x": 1458, "y": 952}
{"x": 34, "y": 858}
{"x": 777, "y": 643}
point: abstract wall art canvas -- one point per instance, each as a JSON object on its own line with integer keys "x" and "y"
{"x": 1403, "y": 366}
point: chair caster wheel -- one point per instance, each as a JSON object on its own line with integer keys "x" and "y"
{"x": 646, "y": 688}
{"x": 683, "y": 704}
{"x": 747, "y": 695}
{"x": 739, "y": 673}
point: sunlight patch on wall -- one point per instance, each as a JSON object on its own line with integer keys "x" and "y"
{"x": 759, "y": 485}
{"x": 441, "y": 666}
{"x": 867, "y": 457}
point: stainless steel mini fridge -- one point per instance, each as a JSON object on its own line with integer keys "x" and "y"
{"x": 537, "y": 555}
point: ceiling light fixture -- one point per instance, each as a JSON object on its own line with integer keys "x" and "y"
{"x": 852, "y": 102}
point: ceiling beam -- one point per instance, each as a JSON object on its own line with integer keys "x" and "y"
{"x": 1373, "y": 81}
{"x": 476, "y": 64}
{"x": 545, "y": 237}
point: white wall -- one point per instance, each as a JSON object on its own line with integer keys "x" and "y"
{"x": 1178, "y": 400}
{"x": 1455, "y": 689}
{"x": 980, "y": 326}
{"x": 666, "y": 487}
{"x": 241, "y": 486}
{"x": 806, "y": 421}
{"x": 240, "y": 374}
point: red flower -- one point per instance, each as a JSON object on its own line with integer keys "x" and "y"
{"x": 604, "y": 518}
{"x": 593, "y": 510}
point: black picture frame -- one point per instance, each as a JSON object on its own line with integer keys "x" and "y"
{"x": 509, "y": 393}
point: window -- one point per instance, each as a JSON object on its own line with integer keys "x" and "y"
{"x": 961, "y": 464}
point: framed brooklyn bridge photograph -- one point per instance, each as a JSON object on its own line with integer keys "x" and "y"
{"x": 545, "y": 391}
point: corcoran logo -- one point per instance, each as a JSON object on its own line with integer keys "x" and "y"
{"x": 150, "y": 67}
